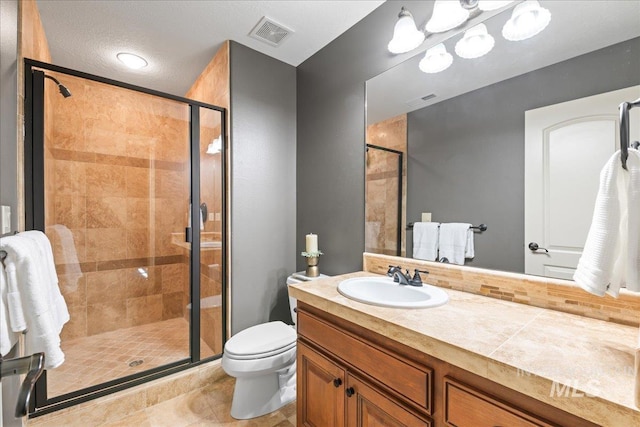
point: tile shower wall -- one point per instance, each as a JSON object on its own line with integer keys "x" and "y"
{"x": 116, "y": 188}
{"x": 382, "y": 186}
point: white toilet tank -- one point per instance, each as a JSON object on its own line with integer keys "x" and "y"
{"x": 298, "y": 278}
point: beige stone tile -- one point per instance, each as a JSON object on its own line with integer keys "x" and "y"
{"x": 70, "y": 178}
{"x": 106, "y": 180}
{"x": 137, "y": 419}
{"x": 144, "y": 310}
{"x": 106, "y": 316}
{"x": 106, "y": 212}
{"x": 103, "y": 286}
{"x": 73, "y": 288}
{"x": 106, "y": 244}
{"x": 172, "y": 277}
{"x": 137, "y": 181}
{"x": 172, "y": 305}
{"x": 141, "y": 281}
{"x": 70, "y": 210}
{"x": 138, "y": 243}
{"x": 139, "y": 211}
{"x": 76, "y": 327}
{"x": 183, "y": 410}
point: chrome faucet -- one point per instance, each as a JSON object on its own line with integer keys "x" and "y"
{"x": 405, "y": 278}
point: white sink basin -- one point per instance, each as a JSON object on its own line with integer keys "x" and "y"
{"x": 383, "y": 291}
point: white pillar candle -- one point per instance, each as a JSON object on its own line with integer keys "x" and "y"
{"x": 312, "y": 243}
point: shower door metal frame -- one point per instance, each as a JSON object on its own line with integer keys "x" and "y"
{"x": 34, "y": 188}
{"x": 399, "y": 207}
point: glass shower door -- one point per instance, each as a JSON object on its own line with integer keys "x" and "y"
{"x": 117, "y": 190}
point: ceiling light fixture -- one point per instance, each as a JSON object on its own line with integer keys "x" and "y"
{"x": 406, "y": 35}
{"x": 527, "y": 20}
{"x": 132, "y": 61}
{"x": 435, "y": 60}
{"x": 487, "y": 5}
{"x": 446, "y": 15}
{"x": 475, "y": 43}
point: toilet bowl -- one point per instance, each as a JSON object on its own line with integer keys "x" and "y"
{"x": 262, "y": 358}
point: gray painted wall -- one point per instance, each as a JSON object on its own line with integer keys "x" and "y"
{"x": 331, "y": 126}
{"x": 466, "y": 154}
{"x": 9, "y": 107}
{"x": 263, "y": 187}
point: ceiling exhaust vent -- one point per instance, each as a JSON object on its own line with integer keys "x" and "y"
{"x": 419, "y": 102}
{"x": 270, "y": 32}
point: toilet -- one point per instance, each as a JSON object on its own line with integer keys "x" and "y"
{"x": 262, "y": 358}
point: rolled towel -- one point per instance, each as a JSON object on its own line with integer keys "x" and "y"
{"x": 425, "y": 240}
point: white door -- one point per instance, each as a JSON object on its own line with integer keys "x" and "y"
{"x": 566, "y": 146}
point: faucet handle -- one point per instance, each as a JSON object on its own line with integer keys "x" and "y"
{"x": 417, "y": 279}
{"x": 393, "y": 269}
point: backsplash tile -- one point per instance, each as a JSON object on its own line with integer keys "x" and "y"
{"x": 554, "y": 294}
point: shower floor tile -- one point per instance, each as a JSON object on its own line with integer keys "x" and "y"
{"x": 104, "y": 357}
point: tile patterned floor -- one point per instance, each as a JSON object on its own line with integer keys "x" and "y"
{"x": 99, "y": 358}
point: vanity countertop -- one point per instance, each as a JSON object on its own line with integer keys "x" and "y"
{"x": 581, "y": 365}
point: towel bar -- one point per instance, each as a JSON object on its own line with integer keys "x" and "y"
{"x": 481, "y": 227}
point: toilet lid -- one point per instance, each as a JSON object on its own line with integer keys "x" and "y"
{"x": 261, "y": 341}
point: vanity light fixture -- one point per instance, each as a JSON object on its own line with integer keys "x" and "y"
{"x": 527, "y": 20}
{"x": 487, "y": 5}
{"x": 216, "y": 146}
{"x": 475, "y": 43}
{"x": 406, "y": 35}
{"x": 132, "y": 61}
{"x": 447, "y": 14}
{"x": 435, "y": 60}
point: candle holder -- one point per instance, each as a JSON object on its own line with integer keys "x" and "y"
{"x": 313, "y": 259}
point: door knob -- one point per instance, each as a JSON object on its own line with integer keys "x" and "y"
{"x": 350, "y": 391}
{"x": 535, "y": 247}
{"x": 337, "y": 382}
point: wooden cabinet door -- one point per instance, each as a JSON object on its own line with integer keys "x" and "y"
{"x": 321, "y": 385}
{"x": 367, "y": 407}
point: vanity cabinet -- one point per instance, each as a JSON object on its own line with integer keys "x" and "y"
{"x": 329, "y": 395}
{"x": 350, "y": 376}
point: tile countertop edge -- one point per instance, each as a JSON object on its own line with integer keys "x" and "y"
{"x": 596, "y": 409}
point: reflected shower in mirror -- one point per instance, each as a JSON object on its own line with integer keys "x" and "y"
{"x": 514, "y": 139}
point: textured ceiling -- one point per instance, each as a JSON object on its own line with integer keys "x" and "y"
{"x": 178, "y": 38}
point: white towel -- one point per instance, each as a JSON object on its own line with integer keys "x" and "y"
{"x": 8, "y": 338}
{"x": 453, "y": 242}
{"x": 49, "y": 276}
{"x": 425, "y": 240}
{"x": 470, "y": 251}
{"x": 611, "y": 256}
{"x": 26, "y": 274}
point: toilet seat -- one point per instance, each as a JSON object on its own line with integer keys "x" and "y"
{"x": 261, "y": 341}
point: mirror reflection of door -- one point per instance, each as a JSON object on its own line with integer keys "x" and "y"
{"x": 566, "y": 146}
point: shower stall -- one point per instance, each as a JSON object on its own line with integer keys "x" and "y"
{"x": 129, "y": 185}
{"x": 384, "y": 202}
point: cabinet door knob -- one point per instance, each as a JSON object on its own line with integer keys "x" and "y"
{"x": 350, "y": 391}
{"x": 337, "y": 382}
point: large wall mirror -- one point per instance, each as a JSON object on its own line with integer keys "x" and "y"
{"x": 514, "y": 139}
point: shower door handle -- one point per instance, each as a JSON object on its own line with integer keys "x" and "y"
{"x": 188, "y": 235}
{"x": 32, "y": 366}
